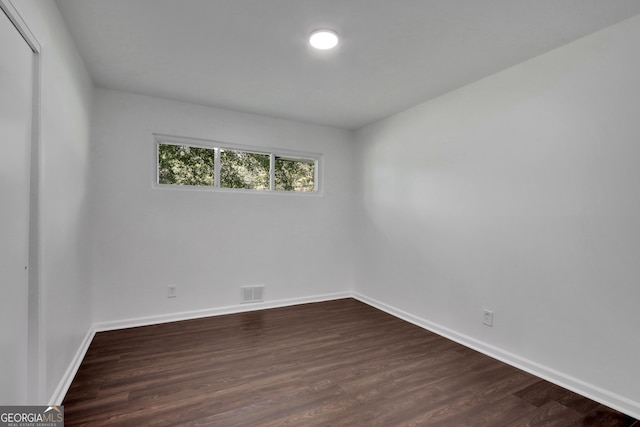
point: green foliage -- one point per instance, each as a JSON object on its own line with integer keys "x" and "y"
{"x": 294, "y": 174}
{"x": 241, "y": 169}
{"x": 189, "y": 165}
{"x": 185, "y": 165}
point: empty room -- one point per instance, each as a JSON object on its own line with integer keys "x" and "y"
{"x": 320, "y": 212}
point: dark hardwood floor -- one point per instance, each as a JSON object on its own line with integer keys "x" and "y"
{"x": 337, "y": 363}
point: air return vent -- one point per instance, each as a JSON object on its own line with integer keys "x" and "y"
{"x": 254, "y": 293}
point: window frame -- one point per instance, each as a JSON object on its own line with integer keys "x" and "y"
{"x": 217, "y": 146}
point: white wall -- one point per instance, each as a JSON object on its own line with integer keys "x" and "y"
{"x": 208, "y": 243}
{"x": 64, "y": 290}
{"x": 517, "y": 194}
{"x": 520, "y": 194}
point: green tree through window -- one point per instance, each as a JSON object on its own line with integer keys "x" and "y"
{"x": 183, "y": 164}
{"x": 240, "y": 169}
{"x": 294, "y": 174}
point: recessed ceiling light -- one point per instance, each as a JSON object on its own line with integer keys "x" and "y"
{"x": 323, "y": 39}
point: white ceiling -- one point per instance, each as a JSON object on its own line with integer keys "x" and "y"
{"x": 253, "y": 55}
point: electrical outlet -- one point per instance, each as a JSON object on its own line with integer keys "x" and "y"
{"x": 171, "y": 292}
{"x": 488, "y": 318}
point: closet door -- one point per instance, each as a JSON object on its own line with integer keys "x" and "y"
{"x": 16, "y": 95}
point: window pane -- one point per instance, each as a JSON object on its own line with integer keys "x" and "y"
{"x": 294, "y": 174}
{"x": 185, "y": 165}
{"x": 241, "y": 169}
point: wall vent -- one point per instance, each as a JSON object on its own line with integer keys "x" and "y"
{"x": 254, "y": 293}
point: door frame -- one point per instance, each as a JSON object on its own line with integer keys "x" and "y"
{"x": 35, "y": 345}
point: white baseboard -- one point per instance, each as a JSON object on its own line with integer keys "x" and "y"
{"x": 576, "y": 385}
{"x": 216, "y": 311}
{"x": 58, "y": 395}
{"x": 591, "y": 391}
{"x": 70, "y": 373}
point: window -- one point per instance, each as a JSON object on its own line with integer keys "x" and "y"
{"x": 293, "y": 174}
{"x": 242, "y": 169}
{"x": 185, "y": 165}
{"x": 197, "y": 163}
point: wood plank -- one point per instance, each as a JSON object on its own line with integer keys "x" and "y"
{"x": 338, "y": 363}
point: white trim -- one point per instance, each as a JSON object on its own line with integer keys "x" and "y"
{"x": 212, "y": 189}
{"x": 591, "y": 391}
{"x": 217, "y": 311}
{"x": 72, "y": 369}
{"x": 216, "y": 168}
{"x": 217, "y": 146}
{"x": 22, "y": 27}
{"x": 64, "y": 384}
{"x": 588, "y": 390}
{"x": 36, "y": 350}
{"x": 37, "y": 359}
{"x": 211, "y": 143}
{"x": 272, "y": 172}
